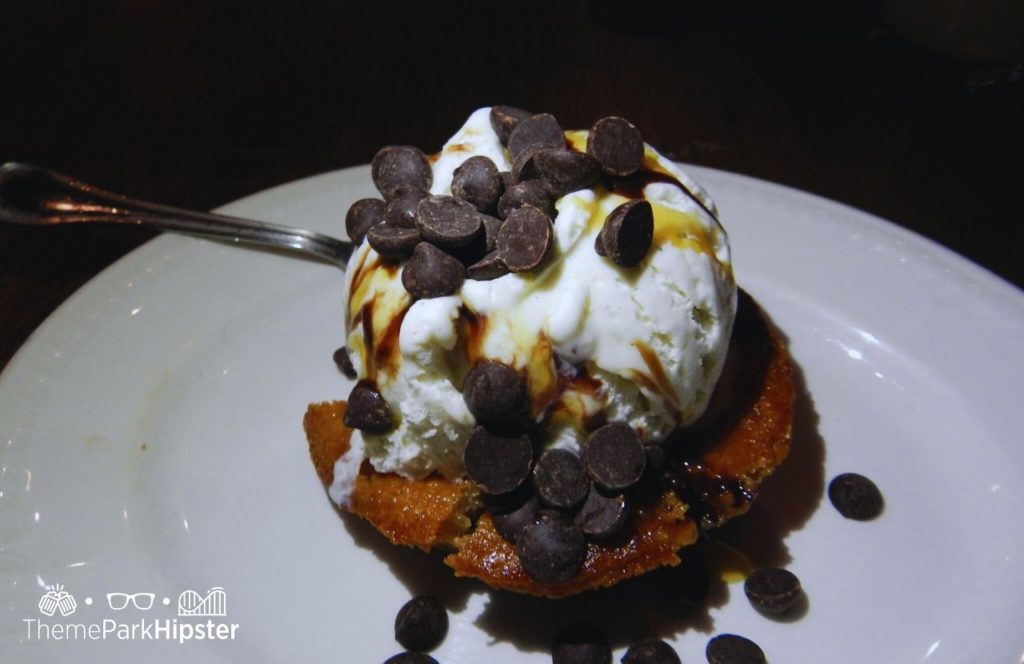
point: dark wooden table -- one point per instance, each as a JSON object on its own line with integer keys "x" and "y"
{"x": 197, "y": 104}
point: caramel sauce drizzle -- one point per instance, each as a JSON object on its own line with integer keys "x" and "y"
{"x": 474, "y": 329}
{"x": 658, "y": 380}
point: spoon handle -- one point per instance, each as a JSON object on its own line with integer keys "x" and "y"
{"x": 36, "y": 196}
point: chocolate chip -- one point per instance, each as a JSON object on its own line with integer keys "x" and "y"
{"x": 733, "y": 649}
{"x": 651, "y": 651}
{"x": 772, "y": 590}
{"x": 421, "y": 624}
{"x": 410, "y": 658}
{"x": 367, "y": 410}
{"x": 494, "y": 392}
{"x": 495, "y": 463}
{"x": 525, "y": 239}
{"x": 505, "y": 503}
{"x": 531, "y": 192}
{"x": 491, "y": 227}
{"x": 542, "y": 131}
{"x": 489, "y": 267}
{"x": 552, "y": 548}
{"x": 655, "y": 464}
{"x": 476, "y": 181}
{"x": 525, "y": 166}
{"x": 396, "y": 165}
{"x": 855, "y": 496}
{"x": 582, "y": 643}
{"x": 559, "y": 479}
{"x": 432, "y": 273}
{"x": 602, "y": 516}
{"x": 447, "y": 221}
{"x": 394, "y": 244}
{"x": 627, "y": 233}
{"x": 505, "y": 118}
{"x": 363, "y": 214}
{"x": 563, "y": 171}
{"x": 401, "y": 209}
{"x": 511, "y": 523}
{"x": 344, "y": 362}
{"x": 506, "y": 179}
{"x": 618, "y": 145}
{"x": 614, "y": 457}
{"x": 655, "y": 456}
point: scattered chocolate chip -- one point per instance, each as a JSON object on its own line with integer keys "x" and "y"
{"x": 582, "y": 643}
{"x": 396, "y": 165}
{"x": 495, "y": 463}
{"x": 476, "y": 181}
{"x": 511, "y": 523}
{"x": 447, "y": 221}
{"x": 393, "y": 243}
{"x": 401, "y": 209}
{"x": 733, "y": 649}
{"x": 494, "y": 392}
{"x": 525, "y": 239}
{"x": 772, "y": 590}
{"x": 551, "y": 548}
{"x": 421, "y": 624}
{"x": 541, "y": 131}
{"x": 525, "y": 166}
{"x": 559, "y": 479}
{"x": 563, "y": 170}
{"x": 602, "y": 516}
{"x": 489, "y": 267}
{"x": 432, "y": 273}
{"x": 617, "y": 144}
{"x": 651, "y": 651}
{"x": 855, "y": 496}
{"x": 531, "y": 192}
{"x": 614, "y": 457}
{"x": 491, "y": 227}
{"x": 627, "y": 233}
{"x": 506, "y": 179}
{"x": 410, "y": 658}
{"x": 363, "y": 214}
{"x": 367, "y": 410}
{"x": 505, "y": 118}
{"x": 344, "y": 362}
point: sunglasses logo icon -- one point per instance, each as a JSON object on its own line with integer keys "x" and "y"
{"x": 120, "y": 601}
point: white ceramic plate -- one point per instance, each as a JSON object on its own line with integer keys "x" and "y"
{"x": 151, "y": 442}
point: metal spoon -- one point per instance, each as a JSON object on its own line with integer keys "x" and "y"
{"x": 36, "y": 196}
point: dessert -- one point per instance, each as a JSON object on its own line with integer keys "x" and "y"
{"x": 557, "y": 379}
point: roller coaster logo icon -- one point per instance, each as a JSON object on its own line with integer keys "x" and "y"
{"x": 214, "y": 603}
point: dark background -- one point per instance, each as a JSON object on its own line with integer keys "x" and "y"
{"x": 197, "y": 104}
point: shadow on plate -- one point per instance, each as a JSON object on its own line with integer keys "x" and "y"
{"x": 789, "y": 497}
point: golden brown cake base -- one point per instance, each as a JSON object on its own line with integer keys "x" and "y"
{"x": 714, "y": 475}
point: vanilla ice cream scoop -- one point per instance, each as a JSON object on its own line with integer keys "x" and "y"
{"x": 595, "y": 342}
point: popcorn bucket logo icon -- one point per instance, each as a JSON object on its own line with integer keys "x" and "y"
{"x": 191, "y": 603}
{"x": 57, "y": 599}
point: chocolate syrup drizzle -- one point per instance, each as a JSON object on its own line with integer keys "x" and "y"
{"x": 632, "y": 186}
{"x": 710, "y": 497}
